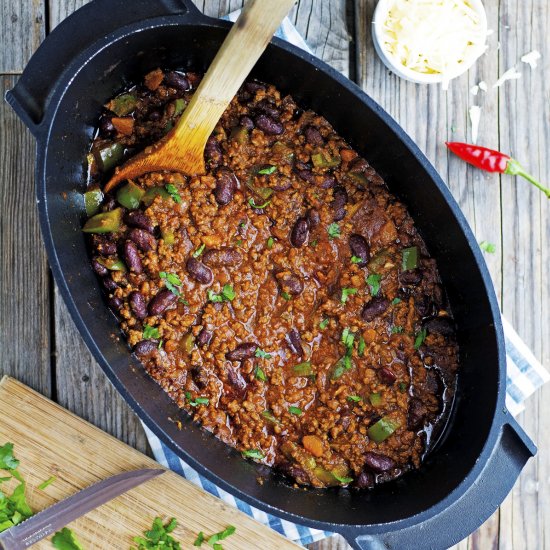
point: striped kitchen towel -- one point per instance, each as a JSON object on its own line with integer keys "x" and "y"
{"x": 525, "y": 374}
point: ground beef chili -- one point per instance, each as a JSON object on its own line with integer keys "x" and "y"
{"x": 284, "y": 299}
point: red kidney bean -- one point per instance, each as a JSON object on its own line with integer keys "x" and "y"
{"x": 313, "y": 218}
{"x": 268, "y": 125}
{"x": 374, "y": 308}
{"x": 304, "y": 171}
{"x": 417, "y": 413}
{"x": 144, "y": 347}
{"x": 137, "y": 304}
{"x": 204, "y": 337}
{"x": 224, "y": 256}
{"x": 328, "y": 181}
{"x": 238, "y": 383}
{"x": 154, "y": 115}
{"x": 358, "y": 165}
{"x": 242, "y": 352}
{"x": 99, "y": 268}
{"x": 424, "y": 305}
{"x": 386, "y": 376}
{"x": 433, "y": 382}
{"x": 339, "y": 200}
{"x": 281, "y": 184}
{"x": 136, "y": 218}
{"x": 295, "y": 472}
{"x": 176, "y": 80}
{"x": 199, "y": 271}
{"x": 106, "y": 128}
{"x": 131, "y": 257}
{"x": 410, "y": 277}
{"x": 295, "y": 342}
{"x": 104, "y": 245}
{"x": 213, "y": 151}
{"x": 253, "y": 86}
{"x": 115, "y": 303}
{"x": 226, "y": 185}
{"x": 268, "y": 109}
{"x": 161, "y": 302}
{"x": 291, "y": 283}
{"x": 299, "y": 233}
{"x": 143, "y": 239}
{"x": 200, "y": 376}
{"x": 109, "y": 284}
{"x": 378, "y": 462}
{"x": 313, "y": 136}
{"x": 246, "y": 122}
{"x": 441, "y": 325}
{"x": 365, "y": 480}
{"x": 359, "y": 248}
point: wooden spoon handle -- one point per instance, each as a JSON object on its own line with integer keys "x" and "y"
{"x": 239, "y": 52}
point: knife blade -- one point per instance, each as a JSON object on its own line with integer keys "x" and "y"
{"x": 61, "y": 513}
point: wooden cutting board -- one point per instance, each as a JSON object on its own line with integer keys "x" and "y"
{"x": 50, "y": 441}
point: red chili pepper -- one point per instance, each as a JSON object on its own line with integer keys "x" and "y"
{"x": 493, "y": 161}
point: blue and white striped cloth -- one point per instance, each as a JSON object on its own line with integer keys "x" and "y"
{"x": 524, "y": 376}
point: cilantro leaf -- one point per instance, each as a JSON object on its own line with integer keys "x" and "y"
{"x": 66, "y": 540}
{"x": 257, "y": 206}
{"x": 253, "y": 453}
{"x": 324, "y": 323}
{"x": 216, "y": 537}
{"x": 199, "y": 251}
{"x": 373, "y": 280}
{"x": 396, "y": 329}
{"x": 295, "y": 410}
{"x": 346, "y": 292}
{"x": 354, "y": 398}
{"x": 420, "y": 337}
{"x": 333, "y": 230}
{"x": 173, "y": 192}
{"x": 396, "y": 301}
{"x": 46, "y": 483}
{"x": 260, "y": 374}
{"x": 356, "y": 260}
{"x": 197, "y": 401}
{"x": 150, "y": 332}
{"x": 171, "y": 281}
{"x": 158, "y": 537}
{"x": 487, "y": 247}
{"x": 7, "y": 459}
{"x": 361, "y": 346}
{"x": 270, "y": 243}
{"x": 267, "y": 170}
{"x": 286, "y": 296}
{"x": 226, "y": 295}
{"x": 262, "y": 354}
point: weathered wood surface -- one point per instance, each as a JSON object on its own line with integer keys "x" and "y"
{"x": 39, "y": 344}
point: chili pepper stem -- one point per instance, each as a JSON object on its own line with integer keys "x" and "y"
{"x": 514, "y": 168}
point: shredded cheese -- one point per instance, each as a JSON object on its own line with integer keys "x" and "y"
{"x": 433, "y": 36}
{"x": 531, "y": 58}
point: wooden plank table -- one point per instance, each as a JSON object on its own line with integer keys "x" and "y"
{"x": 40, "y": 346}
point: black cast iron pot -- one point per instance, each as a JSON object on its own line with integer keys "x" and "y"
{"x": 88, "y": 58}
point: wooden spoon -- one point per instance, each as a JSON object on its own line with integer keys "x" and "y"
{"x": 182, "y": 149}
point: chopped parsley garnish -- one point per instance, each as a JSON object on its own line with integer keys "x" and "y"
{"x": 361, "y": 346}
{"x": 66, "y": 540}
{"x": 214, "y": 540}
{"x": 345, "y": 363}
{"x": 396, "y": 301}
{"x": 354, "y": 398}
{"x": 197, "y": 401}
{"x": 295, "y": 410}
{"x": 14, "y": 508}
{"x": 396, "y": 329}
{"x": 257, "y": 206}
{"x": 173, "y": 192}
{"x": 347, "y": 292}
{"x": 314, "y": 243}
{"x": 373, "y": 280}
{"x": 420, "y": 337}
{"x": 158, "y": 537}
{"x": 46, "y": 483}
{"x": 333, "y": 230}
{"x": 253, "y": 453}
{"x": 285, "y": 295}
{"x": 259, "y": 374}
{"x": 270, "y": 242}
{"x": 171, "y": 281}
{"x": 199, "y": 251}
{"x": 324, "y": 323}
{"x": 150, "y": 332}
{"x": 402, "y": 387}
{"x": 356, "y": 260}
{"x": 487, "y": 247}
{"x": 262, "y": 354}
{"x": 267, "y": 170}
{"x": 239, "y": 242}
{"x": 347, "y": 338}
{"x": 226, "y": 295}
{"x": 344, "y": 480}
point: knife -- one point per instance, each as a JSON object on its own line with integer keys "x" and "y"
{"x": 61, "y": 513}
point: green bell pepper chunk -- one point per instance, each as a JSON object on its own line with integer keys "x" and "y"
{"x": 375, "y": 399}
{"x": 323, "y": 161}
{"x": 239, "y": 134}
{"x": 92, "y": 201}
{"x": 303, "y": 369}
{"x": 106, "y": 222}
{"x": 381, "y": 430}
{"x": 113, "y": 264}
{"x": 168, "y": 237}
{"x": 130, "y": 195}
{"x": 410, "y": 258}
{"x": 123, "y": 104}
{"x": 152, "y": 193}
{"x": 179, "y": 106}
{"x": 110, "y": 156}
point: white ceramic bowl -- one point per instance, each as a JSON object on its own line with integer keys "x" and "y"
{"x": 380, "y": 14}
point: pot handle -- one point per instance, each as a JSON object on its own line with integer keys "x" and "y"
{"x": 457, "y": 521}
{"x": 30, "y": 96}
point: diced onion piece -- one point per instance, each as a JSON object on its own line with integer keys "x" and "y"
{"x": 433, "y": 36}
